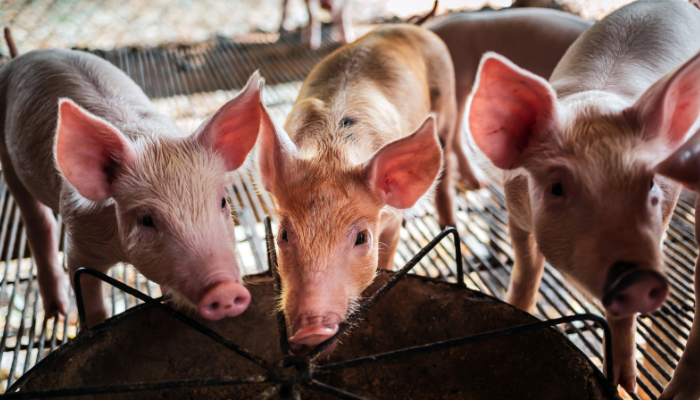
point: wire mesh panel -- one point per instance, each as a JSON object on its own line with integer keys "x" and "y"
{"x": 188, "y": 83}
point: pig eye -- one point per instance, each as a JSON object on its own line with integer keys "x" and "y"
{"x": 651, "y": 186}
{"x": 223, "y": 202}
{"x": 361, "y": 238}
{"x": 557, "y": 189}
{"x": 284, "y": 235}
{"x": 147, "y": 220}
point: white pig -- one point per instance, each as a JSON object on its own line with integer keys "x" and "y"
{"x": 579, "y": 153}
{"x": 79, "y": 137}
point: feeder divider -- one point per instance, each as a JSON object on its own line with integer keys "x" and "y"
{"x": 157, "y": 304}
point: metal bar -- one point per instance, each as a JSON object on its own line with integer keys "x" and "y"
{"x": 427, "y": 348}
{"x": 138, "y": 387}
{"x": 157, "y": 304}
{"x": 272, "y": 258}
{"x": 20, "y": 330}
{"x": 32, "y": 332}
{"x": 333, "y": 391}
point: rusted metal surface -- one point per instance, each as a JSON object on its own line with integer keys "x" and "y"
{"x": 144, "y": 353}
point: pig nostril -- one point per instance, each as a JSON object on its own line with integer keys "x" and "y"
{"x": 214, "y": 305}
{"x": 655, "y": 293}
{"x": 239, "y": 300}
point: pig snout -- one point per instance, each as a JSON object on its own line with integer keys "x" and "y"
{"x": 631, "y": 289}
{"x": 225, "y": 299}
{"x": 313, "y": 331}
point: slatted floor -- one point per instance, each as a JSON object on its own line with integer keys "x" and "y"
{"x": 190, "y": 82}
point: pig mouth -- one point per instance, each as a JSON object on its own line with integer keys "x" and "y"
{"x": 303, "y": 350}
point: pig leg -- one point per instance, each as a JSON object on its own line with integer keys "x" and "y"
{"x": 685, "y": 385}
{"x": 342, "y": 20}
{"x": 527, "y": 269}
{"x": 529, "y": 261}
{"x": 42, "y": 234}
{"x": 443, "y": 194}
{"x": 285, "y": 12}
{"x": 91, "y": 287}
{"x": 313, "y": 29}
{"x": 389, "y": 242}
{"x": 623, "y": 330}
{"x": 466, "y": 173}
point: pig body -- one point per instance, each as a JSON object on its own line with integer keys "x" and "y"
{"x": 78, "y": 137}
{"x": 534, "y": 39}
{"x": 352, "y": 157}
{"x": 578, "y": 154}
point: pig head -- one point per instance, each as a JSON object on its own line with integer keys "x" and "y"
{"x": 583, "y": 168}
{"x": 173, "y": 220}
{"x": 332, "y": 212}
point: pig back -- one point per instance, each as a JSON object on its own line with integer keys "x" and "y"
{"x": 386, "y": 82}
{"x": 534, "y": 39}
{"x": 630, "y": 49}
{"x": 30, "y": 87}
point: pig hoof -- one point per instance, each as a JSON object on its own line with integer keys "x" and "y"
{"x": 626, "y": 375}
{"x": 54, "y": 298}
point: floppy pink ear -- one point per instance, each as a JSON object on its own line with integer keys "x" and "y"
{"x": 510, "y": 109}
{"x": 404, "y": 170}
{"x": 233, "y": 130}
{"x": 683, "y": 165}
{"x": 90, "y": 151}
{"x": 670, "y": 107}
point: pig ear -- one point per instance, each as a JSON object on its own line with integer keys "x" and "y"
{"x": 90, "y": 151}
{"x": 511, "y": 108}
{"x": 276, "y": 151}
{"x": 683, "y": 165}
{"x": 670, "y": 107}
{"x": 233, "y": 130}
{"x": 404, "y": 170}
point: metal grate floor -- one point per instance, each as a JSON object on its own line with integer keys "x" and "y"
{"x": 190, "y": 82}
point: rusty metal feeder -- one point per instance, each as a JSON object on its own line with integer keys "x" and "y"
{"x": 420, "y": 342}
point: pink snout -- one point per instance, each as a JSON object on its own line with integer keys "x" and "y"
{"x": 307, "y": 338}
{"x": 226, "y": 299}
{"x": 636, "y": 291}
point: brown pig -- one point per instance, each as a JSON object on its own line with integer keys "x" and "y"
{"x": 79, "y": 137}
{"x": 578, "y": 154}
{"x": 359, "y": 149}
{"x": 534, "y": 39}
